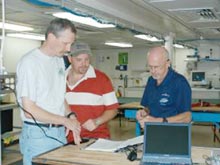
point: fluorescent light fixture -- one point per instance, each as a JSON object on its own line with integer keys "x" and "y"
{"x": 84, "y": 20}
{"x": 119, "y": 44}
{"x": 15, "y": 27}
{"x": 178, "y": 46}
{"x": 153, "y": 1}
{"x": 147, "y": 37}
{"x": 27, "y": 36}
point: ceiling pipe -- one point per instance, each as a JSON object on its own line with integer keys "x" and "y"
{"x": 62, "y": 7}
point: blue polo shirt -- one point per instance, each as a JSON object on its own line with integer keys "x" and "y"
{"x": 171, "y": 97}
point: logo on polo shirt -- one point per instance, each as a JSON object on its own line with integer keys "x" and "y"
{"x": 164, "y": 100}
{"x": 61, "y": 71}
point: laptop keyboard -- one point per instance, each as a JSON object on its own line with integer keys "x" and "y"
{"x": 154, "y": 163}
{"x": 165, "y": 161}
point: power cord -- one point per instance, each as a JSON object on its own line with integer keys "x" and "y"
{"x": 6, "y": 87}
{"x": 131, "y": 152}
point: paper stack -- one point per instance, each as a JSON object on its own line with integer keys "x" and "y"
{"x": 113, "y": 146}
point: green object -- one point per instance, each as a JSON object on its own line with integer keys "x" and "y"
{"x": 123, "y": 58}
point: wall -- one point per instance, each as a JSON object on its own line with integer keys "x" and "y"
{"x": 212, "y": 68}
{"x": 106, "y": 60}
{"x": 180, "y": 63}
{"x": 14, "y": 49}
{"x": 209, "y": 49}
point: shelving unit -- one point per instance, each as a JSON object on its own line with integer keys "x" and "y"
{"x": 209, "y": 60}
{"x": 199, "y": 59}
{"x": 6, "y": 108}
{"x": 6, "y": 80}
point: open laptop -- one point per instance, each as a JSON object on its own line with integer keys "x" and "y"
{"x": 167, "y": 143}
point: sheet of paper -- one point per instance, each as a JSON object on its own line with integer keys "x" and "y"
{"x": 132, "y": 141}
{"x": 112, "y": 146}
{"x": 104, "y": 145}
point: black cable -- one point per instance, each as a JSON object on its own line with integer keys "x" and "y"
{"x": 132, "y": 155}
{"x": 6, "y": 87}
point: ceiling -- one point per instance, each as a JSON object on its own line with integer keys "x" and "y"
{"x": 190, "y": 21}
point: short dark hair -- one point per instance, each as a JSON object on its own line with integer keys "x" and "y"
{"x": 58, "y": 25}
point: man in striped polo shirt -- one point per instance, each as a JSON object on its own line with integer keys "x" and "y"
{"x": 90, "y": 94}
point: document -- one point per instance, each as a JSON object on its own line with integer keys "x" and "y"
{"x": 113, "y": 146}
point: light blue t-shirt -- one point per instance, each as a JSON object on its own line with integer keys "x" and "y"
{"x": 41, "y": 78}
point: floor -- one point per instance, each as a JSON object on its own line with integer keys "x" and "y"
{"x": 202, "y": 135}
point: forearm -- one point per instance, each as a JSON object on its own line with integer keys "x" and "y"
{"x": 39, "y": 114}
{"x": 184, "y": 117}
{"x": 180, "y": 118}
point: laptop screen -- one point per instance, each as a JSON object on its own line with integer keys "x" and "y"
{"x": 167, "y": 139}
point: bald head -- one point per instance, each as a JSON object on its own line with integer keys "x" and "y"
{"x": 158, "y": 63}
{"x": 158, "y": 53}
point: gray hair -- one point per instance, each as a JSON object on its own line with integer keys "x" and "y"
{"x": 58, "y": 25}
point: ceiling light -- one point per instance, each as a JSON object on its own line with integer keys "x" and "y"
{"x": 119, "y": 44}
{"x": 178, "y": 46}
{"x": 147, "y": 37}
{"x": 84, "y": 20}
{"x": 15, "y": 27}
{"x": 27, "y": 36}
{"x": 152, "y": 1}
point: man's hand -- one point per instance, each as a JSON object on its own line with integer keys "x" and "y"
{"x": 149, "y": 118}
{"x": 90, "y": 125}
{"x": 141, "y": 114}
{"x": 73, "y": 125}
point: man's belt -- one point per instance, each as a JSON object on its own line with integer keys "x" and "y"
{"x": 43, "y": 125}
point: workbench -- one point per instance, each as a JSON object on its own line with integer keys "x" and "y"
{"x": 77, "y": 155}
{"x": 209, "y": 114}
{"x": 199, "y": 114}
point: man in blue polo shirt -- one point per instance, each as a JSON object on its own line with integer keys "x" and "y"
{"x": 167, "y": 96}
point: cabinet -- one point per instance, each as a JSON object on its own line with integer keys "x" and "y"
{"x": 203, "y": 93}
{"x": 7, "y": 86}
{"x": 136, "y": 92}
{"x": 6, "y": 107}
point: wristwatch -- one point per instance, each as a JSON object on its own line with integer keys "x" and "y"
{"x": 71, "y": 113}
{"x": 165, "y": 120}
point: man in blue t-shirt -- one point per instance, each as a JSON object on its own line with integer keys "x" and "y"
{"x": 167, "y": 96}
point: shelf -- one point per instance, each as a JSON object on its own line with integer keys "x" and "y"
{"x": 209, "y": 59}
{"x": 7, "y": 82}
{"x": 196, "y": 59}
{"x": 9, "y": 75}
{"x": 7, "y": 106}
{"x": 6, "y": 87}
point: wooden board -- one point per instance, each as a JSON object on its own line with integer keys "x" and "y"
{"x": 135, "y": 105}
{"x": 209, "y": 109}
{"x": 73, "y": 155}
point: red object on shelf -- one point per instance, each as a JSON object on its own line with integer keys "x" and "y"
{"x": 201, "y": 104}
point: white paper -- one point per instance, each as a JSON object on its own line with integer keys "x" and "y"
{"x": 112, "y": 146}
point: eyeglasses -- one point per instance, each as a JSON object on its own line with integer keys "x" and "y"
{"x": 156, "y": 67}
{"x": 159, "y": 67}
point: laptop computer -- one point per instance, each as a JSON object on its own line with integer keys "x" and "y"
{"x": 167, "y": 143}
